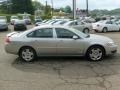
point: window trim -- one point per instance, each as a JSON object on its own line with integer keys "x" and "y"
{"x": 66, "y": 30}
{"x": 40, "y": 37}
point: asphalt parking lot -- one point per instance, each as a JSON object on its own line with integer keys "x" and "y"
{"x": 58, "y": 73}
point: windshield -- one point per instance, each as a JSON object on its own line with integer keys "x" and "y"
{"x": 2, "y": 17}
{"x": 2, "y": 22}
{"x": 19, "y": 21}
{"x": 26, "y": 17}
{"x": 15, "y": 17}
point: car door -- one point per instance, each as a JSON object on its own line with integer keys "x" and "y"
{"x": 115, "y": 27}
{"x": 43, "y": 41}
{"x": 66, "y": 45}
{"x": 109, "y": 25}
{"x": 80, "y": 26}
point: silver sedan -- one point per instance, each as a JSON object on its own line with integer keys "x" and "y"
{"x": 3, "y": 25}
{"x": 58, "y": 41}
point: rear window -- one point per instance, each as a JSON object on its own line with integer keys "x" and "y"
{"x": 41, "y": 33}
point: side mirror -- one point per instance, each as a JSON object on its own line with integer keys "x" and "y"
{"x": 75, "y": 37}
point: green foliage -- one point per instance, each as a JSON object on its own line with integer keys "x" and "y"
{"x": 105, "y": 12}
{"x": 62, "y": 9}
{"x": 37, "y": 5}
{"x": 47, "y": 12}
{"x": 67, "y": 9}
{"x": 21, "y": 6}
{"x": 5, "y": 8}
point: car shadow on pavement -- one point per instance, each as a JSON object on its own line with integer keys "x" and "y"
{"x": 70, "y": 67}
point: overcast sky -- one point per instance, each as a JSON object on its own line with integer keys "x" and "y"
{"x": 93, "y": 4}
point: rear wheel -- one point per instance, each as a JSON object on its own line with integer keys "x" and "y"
{"x": 27, "y": 54}
{"x": 6, "y": 29}
{"x": 105, "y": 30}
{"x": 119, "y": 29}
{"x": 95, "y": 53}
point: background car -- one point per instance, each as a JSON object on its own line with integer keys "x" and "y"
{"x": 20, "y": 25}
{"x": 58, "y": 41}
{"x": 3, "y": 18}
{"x": 13, "y": 19}
{"x": 105, "y": 25}
{"x": 61, "y": 22}
{"x": 84, "y": 27}
{"x": 3, "y": 25}
{"x": 27, "y": 20}
{"x": 37, "y": 19}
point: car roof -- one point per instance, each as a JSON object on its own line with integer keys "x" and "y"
{"x": 49, "y": 26}
{"x": 44, "y": 26}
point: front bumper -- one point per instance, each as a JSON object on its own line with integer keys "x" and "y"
{"x": 111, "y": 50}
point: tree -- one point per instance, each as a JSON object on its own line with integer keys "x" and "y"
{"x": 5, "y": 7}
{"x": 47, "y": 12}
{"x": 21, "y": 6}
{"x": 62, "y": 9}
{"x": 67, "y": 9}
{"x": 37, "y": 5}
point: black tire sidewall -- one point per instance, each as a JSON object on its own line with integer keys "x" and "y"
{"x": 20, "y": 54}
{"x": 88, "y": 52}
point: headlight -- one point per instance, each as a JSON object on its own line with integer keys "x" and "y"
{"x": 110, "y": 44}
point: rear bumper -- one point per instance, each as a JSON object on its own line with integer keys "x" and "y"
{"x": 97, "y": 30}
{"x": 22, "y": 28}
{"x": 11, "y": 49}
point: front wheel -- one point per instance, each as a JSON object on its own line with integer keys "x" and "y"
{"x": 27, "y": 54}
{"x": 86, "y": 31}
{"x": 95, "y": 53}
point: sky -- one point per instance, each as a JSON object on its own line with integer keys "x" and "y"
{"x": 81, "y": 4}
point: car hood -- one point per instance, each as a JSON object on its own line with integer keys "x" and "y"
{"x": 2, "y": 24}
{"x": 99, "y": 38}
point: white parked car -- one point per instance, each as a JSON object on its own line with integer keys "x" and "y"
{"x": 58, "y": 41}
{"x": 27, "y": 20}
{"x": 106, "y": 25}
{"x": 13, "y": 19}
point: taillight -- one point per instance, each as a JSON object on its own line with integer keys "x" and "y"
{"x": 7, "y": 40}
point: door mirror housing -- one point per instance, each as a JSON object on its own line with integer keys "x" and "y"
{"x": 75, "y": 37}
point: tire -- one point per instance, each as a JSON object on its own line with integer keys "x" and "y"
{"x": 6, "y": 29}
{"x": 95, "y": 53}
{"x": 104, "y": 30}
{"x": 119, "y": 30}
{"x": 27, "y": 54}
{"x": 86, "y": 31}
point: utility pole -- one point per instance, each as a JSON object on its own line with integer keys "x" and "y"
{"x": 87, "y": 7}
{"x": 74, "y": 9}
{"x": 52, "y": 7}
{"x": 46, "y": 3}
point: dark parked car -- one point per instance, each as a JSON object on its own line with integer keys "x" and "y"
{"x": 3, "y": 25}
{"x": 20, "y": 25}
